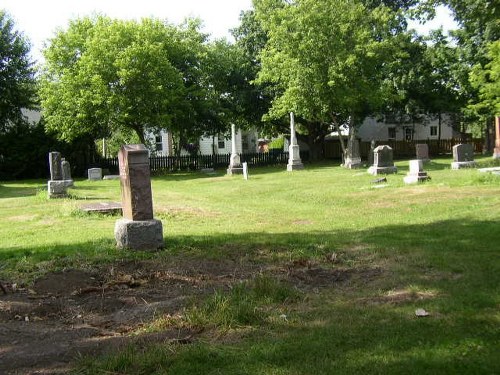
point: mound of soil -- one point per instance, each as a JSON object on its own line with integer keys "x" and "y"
{"x": 64, "y": 315}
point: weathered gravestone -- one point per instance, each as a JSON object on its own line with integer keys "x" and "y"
{"x": 353, "y": 157}
{"x": 463, "y": 156}
{"x": 66, "y": 172}
{"x": 422, "y": 151}
{"x": 234, "y": 162}
{"x": 294, "y": 161}
{"x": 416, "y": 173}
{"x": 138, "y": 230}
{"x": 55, "y": 159}
{"x": 496, "y": 151}
{"x": 94, "y": 174}
{"x": 57, "y": 185}
{"x": 382, "y": 161}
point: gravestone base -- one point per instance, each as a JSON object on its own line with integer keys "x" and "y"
{"x": 352, "y": 163}
{"x": 463, "y": 164}
{"x": 68, "y": 183}
{"x": 234, "y": 170}
{"x": 235, "y": 166}
{"x": 296, "y": 166}
{"x": 496, "y": 153}
{"x": 57, "y": 189}
{"x": 139, "y": 234}
{"x": 111, "y": 177}
{"x": 416, "y": 178}
{"x": 374, "y": 171}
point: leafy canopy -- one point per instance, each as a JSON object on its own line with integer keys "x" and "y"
{"x": 105, "y": 75}
{"x": 17, "y": 74}
{"x": 326, "y": 57}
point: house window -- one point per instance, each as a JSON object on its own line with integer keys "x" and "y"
{"x": 408, "y": 134}
{"x": 391, "y": 133}
{"x": 159, "y": 143}
{"x": 221, "y": 144}
{"x": 434, "y": 131}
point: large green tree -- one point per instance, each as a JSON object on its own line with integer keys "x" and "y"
{"x": 103, "y": 75}
{"x": 326, "y": 59}
{"x": 486, "y": 79}
{"x": 17, "y": 74}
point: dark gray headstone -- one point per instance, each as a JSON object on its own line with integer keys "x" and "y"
{"x": 55, "y": 167}
{"x": 463, "y": 152}
{"x": 382, "y": 156}
{"x": 382, "y": 161}
{"x": 66, "y": 169}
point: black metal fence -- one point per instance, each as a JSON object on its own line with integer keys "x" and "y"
{"x": 196, "y": 162}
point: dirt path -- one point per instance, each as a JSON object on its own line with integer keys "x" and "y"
{"x": 64, "y": 315}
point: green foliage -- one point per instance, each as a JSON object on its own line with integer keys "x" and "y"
{"x": 17, "y": 75}
{"x": 102, "y": 76}
{"x": 278, "y": 144}
{"x": 326, "y": 57}
{"x": 487, "y": 81}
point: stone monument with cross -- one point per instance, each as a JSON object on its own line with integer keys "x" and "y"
{"x": 352, "y": 158}
{"x": 294, "y": 161}
{"x": 234, "y": 161}
{"x": 137, "y": 230}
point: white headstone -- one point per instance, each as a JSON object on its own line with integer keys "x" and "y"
{"x": 294, "y": 162}
{"x": 95, "y": 174}
{"x": 234, "y": 161}
{"x": 245, "y": 170}
{"x": 416, "y": 173}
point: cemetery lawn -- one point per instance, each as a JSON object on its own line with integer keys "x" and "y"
{"x": 319, "y": 271}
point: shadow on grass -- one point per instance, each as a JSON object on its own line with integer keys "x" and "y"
{"x": 343, "y": 335}
{"x": 7, "y": 191}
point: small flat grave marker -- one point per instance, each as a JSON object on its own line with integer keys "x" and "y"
{"x": 102, "y": 207}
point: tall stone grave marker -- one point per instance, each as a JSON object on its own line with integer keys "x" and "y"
{"x": 463, "y": 156}
{"x": 234, "y": 162}
{"x": 138, "y": 230}
{"x": 496, "y": 151}
{"x": 422, "y": 151}
{"x": 56, "y": 186}
{"x": 353, "y": 158}
{"x": 416, "y": 173}
{"x": 294, "y": 161}
{"x": 382, "y": 161}
{"x": 370, "y": 154}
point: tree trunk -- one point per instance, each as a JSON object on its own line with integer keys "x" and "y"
{"x": 139, "y": 130}
{"x": 341, "y": 138}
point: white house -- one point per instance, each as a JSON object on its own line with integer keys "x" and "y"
{"x": 246, "y": 142}
{"x": 379, "y": 130}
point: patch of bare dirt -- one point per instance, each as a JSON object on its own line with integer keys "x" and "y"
{"x": 64, "y": 315}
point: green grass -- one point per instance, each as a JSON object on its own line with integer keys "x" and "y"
{"x": 434, "y": 245}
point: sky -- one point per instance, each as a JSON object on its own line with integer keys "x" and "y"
{"x": 39, "y": 19}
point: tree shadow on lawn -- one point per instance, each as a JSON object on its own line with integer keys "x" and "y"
{"x": 7, "y": 191}
{"x": 363, "y": 333}
{"x": 352, "y": 340}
